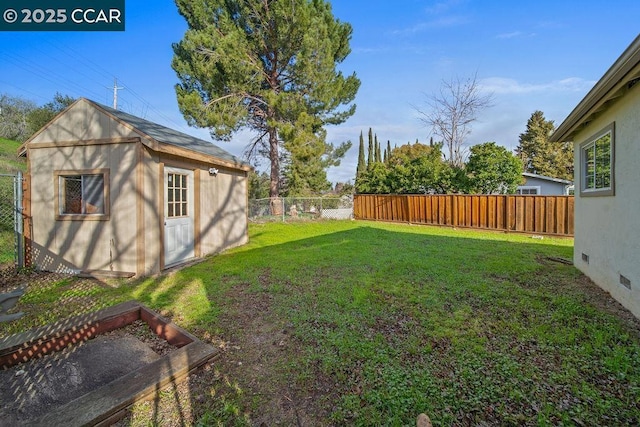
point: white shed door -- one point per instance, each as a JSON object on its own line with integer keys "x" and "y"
{"x": 178, "y": 216}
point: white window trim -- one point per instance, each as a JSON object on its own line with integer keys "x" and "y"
{"x": 595, "y": 192}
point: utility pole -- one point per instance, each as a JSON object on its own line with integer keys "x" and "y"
{"x": 115, "y": 93}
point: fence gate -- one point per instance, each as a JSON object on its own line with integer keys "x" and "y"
{"x": 11, "y": 222}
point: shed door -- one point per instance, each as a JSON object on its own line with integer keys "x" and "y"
{"x": 178, "y": 216}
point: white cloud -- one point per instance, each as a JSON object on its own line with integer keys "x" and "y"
{"x": 442, "y": 22}
{"x": 443, "y": 6}
{"x": 515, "y": 35}
{"x": 511, "y": 35}
{"x": 506, "y": 86}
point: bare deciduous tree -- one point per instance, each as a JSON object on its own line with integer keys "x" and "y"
{"x": 452, "y": 110}
{"x": 13, "y": 117}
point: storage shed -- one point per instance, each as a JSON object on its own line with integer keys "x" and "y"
{"x": 111, "y": 193}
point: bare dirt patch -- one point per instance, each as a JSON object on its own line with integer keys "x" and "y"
{"x": 258, "y": 353}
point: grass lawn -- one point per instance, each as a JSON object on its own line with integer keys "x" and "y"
{"x": 10, "y": 163}
{"x": 360, "y": 323}
{"x": 9, "y": 160}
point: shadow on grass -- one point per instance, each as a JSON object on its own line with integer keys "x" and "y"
{"x": 367, "y": 298}
{"x": 363, "y": 323}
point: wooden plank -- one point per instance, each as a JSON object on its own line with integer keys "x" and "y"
{"x": 454, "y": 210}
{"x": 500, "y": 213}
{"x": 561, "y": 217}
{"x": 570, "y": 215}
{"x": 539, "y": 222}
{"x": 420, "y": 213}
{"x": 462, "y": 211}
{"x": 491, "y": 212}
{"x": 47, "y": 339}
{"x": 466, "y": 211}
{"x": 101, "y": 404}
{"x": 551, "y": 217}
{"x": 475, "y": 212}
{"x": 393, "y": 207}
{"x": 519, "y": 213}
{"x": 529, "y": 214}
{"x": 483, "y": 220}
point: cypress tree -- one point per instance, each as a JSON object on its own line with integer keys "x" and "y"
{"x": 370, "y": 154}
{"x": 362, "y": 166}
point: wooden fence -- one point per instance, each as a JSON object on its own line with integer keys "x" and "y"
{"x": 527, "y": 214}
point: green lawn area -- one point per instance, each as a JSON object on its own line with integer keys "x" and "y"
{"x": 372, "y": 324}
{"x": 9, "y": 160}
{"x": 10, "y": 163}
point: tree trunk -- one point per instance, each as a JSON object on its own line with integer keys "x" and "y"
{"x": 274, "y": 156}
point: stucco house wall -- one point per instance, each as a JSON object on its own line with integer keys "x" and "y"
{"x": 607, "y": 229}
{"x": 129, "y": 237}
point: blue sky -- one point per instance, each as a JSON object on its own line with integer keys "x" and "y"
{"x": 543, "y": 55}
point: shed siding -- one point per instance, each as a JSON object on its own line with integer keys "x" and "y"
{"x": 606, "y": 228}
{"x": 223, "y": 208}
{"x": 84, "y": 245}
{"x": 152, "y": 213}
{"x": 83, "y": 122}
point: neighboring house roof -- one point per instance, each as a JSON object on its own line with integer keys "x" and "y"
{"x": 157, "y": 133}
{"x": 620, "y": 77}
{"x": 547, "y": 178}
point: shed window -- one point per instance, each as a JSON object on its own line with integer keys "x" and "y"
{"x": 82, "y": 195}
{"x": 597, "y": 164}
{"x": 177, "y": 195}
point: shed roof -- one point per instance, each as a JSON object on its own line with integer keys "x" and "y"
{"x": 161, "y": 138}
{"x": 620, "y": 77}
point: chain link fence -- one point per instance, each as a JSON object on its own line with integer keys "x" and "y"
{"x": 300, "y": 208}
{"x": 11, "y": 219}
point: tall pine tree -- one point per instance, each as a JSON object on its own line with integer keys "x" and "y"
{"x": 271, "y": 67}
{"x": 541, "y": 156}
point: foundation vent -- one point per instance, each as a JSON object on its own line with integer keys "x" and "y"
{"x": 625, "y": 282}
{"x": 585, "y": 258}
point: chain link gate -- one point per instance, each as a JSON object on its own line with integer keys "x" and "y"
{"x": 11, "y": 221}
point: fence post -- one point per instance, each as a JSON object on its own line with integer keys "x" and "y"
{"x": 18, "y": 219}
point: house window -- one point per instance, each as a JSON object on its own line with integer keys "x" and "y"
{"x": 597, "y": 164}
{"x": 82, "y": 194}
{"x": 528, "y": 190}
{"x": 176, "y": 195}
